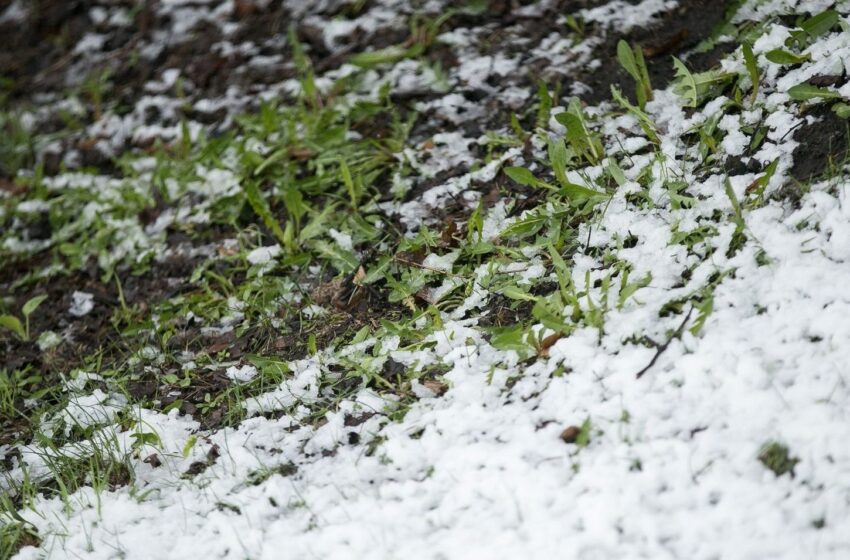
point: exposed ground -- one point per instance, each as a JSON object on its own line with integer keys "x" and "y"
{"x": 384, "y": 279}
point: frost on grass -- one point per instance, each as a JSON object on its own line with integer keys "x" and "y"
{"x": 607, "y": 331}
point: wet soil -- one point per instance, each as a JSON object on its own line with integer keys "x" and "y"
{"x": 823, "y": 144}
{"x": 39, "y": 59}
{"x": 674, "y": 33}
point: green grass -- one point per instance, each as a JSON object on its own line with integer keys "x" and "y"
{"x": 317, "y": 162}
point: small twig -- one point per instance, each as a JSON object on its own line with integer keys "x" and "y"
{"x": 660, "y": 349}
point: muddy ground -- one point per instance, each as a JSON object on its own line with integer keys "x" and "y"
{"x": 41, "y": 63}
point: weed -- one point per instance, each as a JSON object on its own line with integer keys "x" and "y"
{"x": 777, "y": 457}
{"x": 631, "y": 59}
{"x": 13, "y": 324}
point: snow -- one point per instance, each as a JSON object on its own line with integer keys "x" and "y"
{"x": 670, "y": 469}
{"x": 81, "y": 304}
{"x": 241, "y": 374}
{"x": 263, "y": 255}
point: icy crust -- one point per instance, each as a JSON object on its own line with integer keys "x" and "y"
{"x": 671, "y": 467}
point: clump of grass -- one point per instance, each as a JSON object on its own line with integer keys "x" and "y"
{"x": 777, "y": 457}
{"x": 16, "y": 535}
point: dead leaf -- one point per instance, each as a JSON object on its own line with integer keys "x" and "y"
{"x": 570, "y": 434}
{"x": 546, "y": 343}
{"x": 448, "y": 233}
{"x": 300, "y": 153}
{"x": 666, "y": 47}
{"x": 436, "y": 387}
{"x": 153, "y": 460}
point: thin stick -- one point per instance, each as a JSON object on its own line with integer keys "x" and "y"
{"x": 660, "y": 349}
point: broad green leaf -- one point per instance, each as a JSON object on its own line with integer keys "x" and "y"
{"x": 705, "y": 308}
{"x": 145, "y": 438}
{"x": 319, "y": 223}
{"x": 781, "y": 56}
{"x": 558, "y": 159}
{"x": 616, "y": 173}
{"x": 583, "y": 438}
{"x": 821, "y": 23}
{"x": 842, "y": 110}
{"x": 32, "y": 305}
{"x": 270, "y": 366}
{"x": 549, "y": 311}
{"x": 522, "y": 176}
{"x": 736, "y": 206}
{"x": 627, "y": 59}
{"x": 517, "y": 128}
{"x": 272, "y": 159}
{"x": 353, "y": 191}
{"x": 805, "y": 91}
{"x": 13, "y": 324}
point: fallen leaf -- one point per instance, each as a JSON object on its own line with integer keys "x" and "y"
{"x": 546, "y": 343}
{"x": 570, "y": 434}
{"x": 153, "y": 460}
{"x": 436, "y": 387}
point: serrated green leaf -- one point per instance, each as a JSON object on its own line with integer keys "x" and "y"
{"x": 544, "y": 105}
{"x": 579, "y": 135}
{"x": 190, "y": 443}
{"x": 342, "y": 260}
{"x": 386, "y": 55}
{"x": 687, "y": 86}
{"x": 261, "y": 208}
{"x": 377, "y": 272}
{"x": 517, "y": 293}
{"x": 524, "y": 227}
{"x": 697, "y": 88}
{"x": 512, "y": 338}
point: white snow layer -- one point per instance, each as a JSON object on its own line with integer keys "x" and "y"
{"x": 671, "y": 468}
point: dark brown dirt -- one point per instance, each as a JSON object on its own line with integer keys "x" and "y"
{"x": 823, "y": 144}
{"x": 676, "y": 32}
